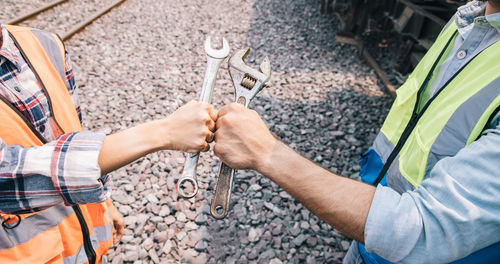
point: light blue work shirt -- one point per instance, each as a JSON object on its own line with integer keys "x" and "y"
{"x": 456, "y": 210}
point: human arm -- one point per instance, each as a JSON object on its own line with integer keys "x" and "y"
{"x": 189, "y": 129}
{"x": 69, "y": 170}
{"x": 244, "y": 142}
{"x": 453, "y": 213}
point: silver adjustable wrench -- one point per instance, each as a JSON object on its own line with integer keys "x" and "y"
{"x": 214, "y": 60}
{"x": 247, "y": 83}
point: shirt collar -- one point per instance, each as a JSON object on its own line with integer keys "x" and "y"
{"x": 473, "y": 12}
{"x": 8, "y": 50}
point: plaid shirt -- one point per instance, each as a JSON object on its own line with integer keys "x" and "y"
{"x": 63, "y": 170}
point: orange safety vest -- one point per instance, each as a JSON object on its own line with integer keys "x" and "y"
{"x": 59, "y": 234}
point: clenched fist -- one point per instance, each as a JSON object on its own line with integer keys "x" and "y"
{"x": 242, "y": 139}
{"x": 190, "y": 128}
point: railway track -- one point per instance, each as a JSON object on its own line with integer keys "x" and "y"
{"x": 76, "y": 16}
{"x": 391, "y": 35}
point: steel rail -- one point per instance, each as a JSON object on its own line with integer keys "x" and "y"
{"x": 34, "y": 12}
{"x": 85, "y": 23}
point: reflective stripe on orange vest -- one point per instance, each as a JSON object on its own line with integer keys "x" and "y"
{"x": 53, "y": 235}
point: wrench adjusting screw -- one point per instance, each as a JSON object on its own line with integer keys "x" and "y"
{"x": 248, "y": 81}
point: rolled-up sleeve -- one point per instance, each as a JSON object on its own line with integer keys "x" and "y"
{"x": 64, "y": 170}
{"x": 454, "y": 212}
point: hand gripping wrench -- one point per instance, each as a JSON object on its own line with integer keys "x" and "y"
{"x": 247, "y": 83}
{"x": 214, "y": 60}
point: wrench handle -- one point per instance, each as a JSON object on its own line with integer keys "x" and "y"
{"x": 207, "y": 87}
{"x": 190, "y": 164}
{"x": 189, "y": 175}
{"x": 220, "y": 203}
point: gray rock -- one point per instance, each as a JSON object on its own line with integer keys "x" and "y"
{"x": 254, "y": 234}
{"x": 253, "y": 254}
{"x": 201, "y": 245}
{"x": 169, "y": 220}
{"x": 275, "y": 261}
{"x": 156, "y": 219}
{"x": 154, "y": 256}
{"x": 130, "y": 221}
{"x": 268, "y": 254}
{"x": 294, "y": 231}
{"x": 255, "y": 187}
{"x": 161, "y": 237}
{"x": 312, "y": 241}
{"x": 148, "y": 243}
{"x": 167, "y": 247}
{"x": 201, "y": 219}
{"x": 164, "y": 211}
{"x": 299, "y": 240}
{"x": 181, "y": 217}
{"x": 180, "y": 235}
{"x": 142, "y": 219}
{"x": 345, "y": 244}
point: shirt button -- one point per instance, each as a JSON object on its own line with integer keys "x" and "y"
{"x": 461, "y": 54}
{"x": 17, "y": 89}
{"x": 42, "y": 128}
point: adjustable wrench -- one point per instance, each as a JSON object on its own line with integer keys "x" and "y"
{"x": 247, "y": 83}
{"x": 214, "y": 60}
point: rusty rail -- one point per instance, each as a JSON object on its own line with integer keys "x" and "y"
{"x": 85, "y": 23}
{"x": 34, "y": 12}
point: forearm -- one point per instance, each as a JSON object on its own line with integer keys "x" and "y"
{"x": 188, "y": 129}
{"x": 124, "y": 147}
{"x": 341, "y": 202}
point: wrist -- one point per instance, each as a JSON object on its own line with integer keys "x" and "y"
{"x": 154, "y": 135}
{"x": 266, "y": 162}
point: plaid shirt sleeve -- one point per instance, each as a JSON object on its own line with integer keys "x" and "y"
{"x": 64, "y": 170}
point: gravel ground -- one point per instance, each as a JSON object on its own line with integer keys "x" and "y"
{"x": 15, "y": 8}
{"x": 145, "y": 58}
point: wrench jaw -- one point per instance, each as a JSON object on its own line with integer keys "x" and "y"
{"x": 237, "y": 62}
{"x": 247, "y": 81}
{"x": 216, "y": 53}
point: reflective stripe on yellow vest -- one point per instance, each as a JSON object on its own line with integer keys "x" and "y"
{"x": 60, "y": 234}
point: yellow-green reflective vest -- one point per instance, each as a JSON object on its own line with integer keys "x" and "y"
{"x": 411, "y": 142}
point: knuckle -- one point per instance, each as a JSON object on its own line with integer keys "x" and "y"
{"x": 218, "y": 149}
{"x": 217, "y": 136}
{"x": 234, "y": 106}
{"x": 206, "y": 117}
{"x": 221, "y": 121}
{"x": 201, "y": 145}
